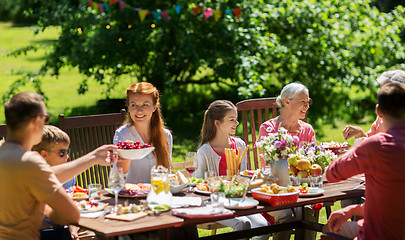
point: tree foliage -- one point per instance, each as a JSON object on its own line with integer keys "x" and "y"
{"x": 336, "y": 48}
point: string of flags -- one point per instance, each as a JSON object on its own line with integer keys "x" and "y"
{"x": 105, "y": 6}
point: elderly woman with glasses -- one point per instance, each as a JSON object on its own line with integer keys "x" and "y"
{"x": 294, "y": 103}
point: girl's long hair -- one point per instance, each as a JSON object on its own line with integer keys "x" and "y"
{"x": 216, "y": 111}
{"x": 157, "y": 124}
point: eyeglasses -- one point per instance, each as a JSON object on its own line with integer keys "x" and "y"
{"x": 47, "y": 116}
{"x": 64, "y": 152}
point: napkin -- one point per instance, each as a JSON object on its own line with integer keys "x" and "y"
{"x": 201, "y": 212}
{"x": 178, "y": 202}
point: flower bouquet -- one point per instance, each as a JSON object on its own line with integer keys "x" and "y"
{"x": 274, "y": 151}
{"x": 276, "y": 146}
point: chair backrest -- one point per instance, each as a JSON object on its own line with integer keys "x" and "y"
{"x": 3, "y": 131}
{"x": 86, "y": 134}
{"x": 254, "y": 112}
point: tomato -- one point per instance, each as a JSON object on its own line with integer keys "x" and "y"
{"x": 77, "y": 188}
{"x": 303, "y": 190}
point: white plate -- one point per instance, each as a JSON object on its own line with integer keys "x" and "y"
{"x": 89, "y": 209}
{"x": 110, "y": 191}
{"x": 134, "y": 154}
{"x": 237, "y": 203}
{"x": 250, "y": 175}
{"x": 201, "y": 191}
{"x": 312, "y": 192}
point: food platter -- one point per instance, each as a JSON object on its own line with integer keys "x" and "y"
{"x": 201, "y": 191}
{"x": 313, "y": 192}
{"x": 87, "y": 207}
{"x": 239, "y": 203}
{"x": 131, "y": 193}
{"x": 248, "y": 173}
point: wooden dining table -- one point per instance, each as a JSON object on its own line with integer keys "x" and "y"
{"x": 110, "y": 229}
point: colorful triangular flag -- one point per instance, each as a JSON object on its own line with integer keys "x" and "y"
{"x": 217, "y": 14}
{"x": 107, "y": 8}
{"x": 207, "y": 13}
{"x": 142, "y": 14}
{"x": 156, "y": 15}
{"x": 178, "y": 9}
{"x": 237, "y": 12}
{"x": 172, "y": 11}
{"x": 112, "y": 2}
{"x": 101, "y": 8}
{"x": 122, "y": 5}
{"x": 197, "y": 10}
{"x": 165, "y": 14}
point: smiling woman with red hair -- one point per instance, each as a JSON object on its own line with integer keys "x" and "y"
{"x": 144, "y": 124}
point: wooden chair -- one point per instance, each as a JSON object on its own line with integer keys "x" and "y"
{"x": 86, "y": 134}
{"x": 254, "y": 112}
{"x": 3, "y": 131}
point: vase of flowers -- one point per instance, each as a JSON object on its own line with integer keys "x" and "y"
{"x": 274, "y": 151}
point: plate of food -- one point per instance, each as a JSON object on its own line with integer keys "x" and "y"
{"x": 240, "y": 203}
{"x": 132, "y": 190}
{"x": 86, "y": 206}
{"x": 202, "y": 188}
{"x": 311, "y": 192}
{"x": 249, "y": 173}
{"x": 78, "y": 193}
{"x": 133, "y": 150}
{"x": 193, "y": 181}
{"x": 336, "y": 147}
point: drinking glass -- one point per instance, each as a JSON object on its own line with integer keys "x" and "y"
{"x": 217, "y": 201}
{"x": 316, "y": 181}
{"x": 94, "y": 192}
{"x": 116, "y": 182}
{"x": 191, "y": 162}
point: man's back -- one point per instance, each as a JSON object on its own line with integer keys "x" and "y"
{"x": 25, "y": 181}
{"x": 382, "y": 159}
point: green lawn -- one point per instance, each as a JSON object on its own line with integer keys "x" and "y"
{"x": 63, "y": 97}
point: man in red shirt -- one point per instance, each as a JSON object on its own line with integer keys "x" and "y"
{"x": 381, "y": 159}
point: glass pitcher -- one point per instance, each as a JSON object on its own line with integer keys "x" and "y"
{"x": 160, "y": 189}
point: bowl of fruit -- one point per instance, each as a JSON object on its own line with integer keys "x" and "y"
{"x": 133, "y": 150}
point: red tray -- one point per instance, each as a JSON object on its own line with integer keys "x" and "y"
{"x": 275, "y": 199}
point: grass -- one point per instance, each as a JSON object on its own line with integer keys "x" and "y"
{"x": 63, "y": 97}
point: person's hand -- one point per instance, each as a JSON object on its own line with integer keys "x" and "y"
{"x": 353, "y": 131}
{"x": 103, "y": 155}
{"x": 1, "y": 142}
{"x": 74, "y": 232}
{"x": 337, "y": 218}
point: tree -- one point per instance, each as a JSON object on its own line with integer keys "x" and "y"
{"x": 336, "y": 48}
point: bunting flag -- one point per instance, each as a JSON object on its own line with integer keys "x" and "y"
{"x": 207, "y": 13}
{"x": 237, "y": 12}
{"x": 107, "y": 8}
{"x": 165, "y": 14}
{"x": 101, "y": 8}
{"x": 104, "y": 5}
{"x": 172, "y": 11}
{"x": 95, "y": 6}
{"x": 122, "y": 5}
{"x": 197, "y": 10}
{"x": 156, "y": 15}
{"x": 142, "y": 14}
{"x": 217, "y": 15}
{"x": 178, "y": 9}
{"x": 112, "y": 2}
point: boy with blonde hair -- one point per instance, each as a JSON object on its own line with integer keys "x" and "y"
{"x": 54, "y": 148}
